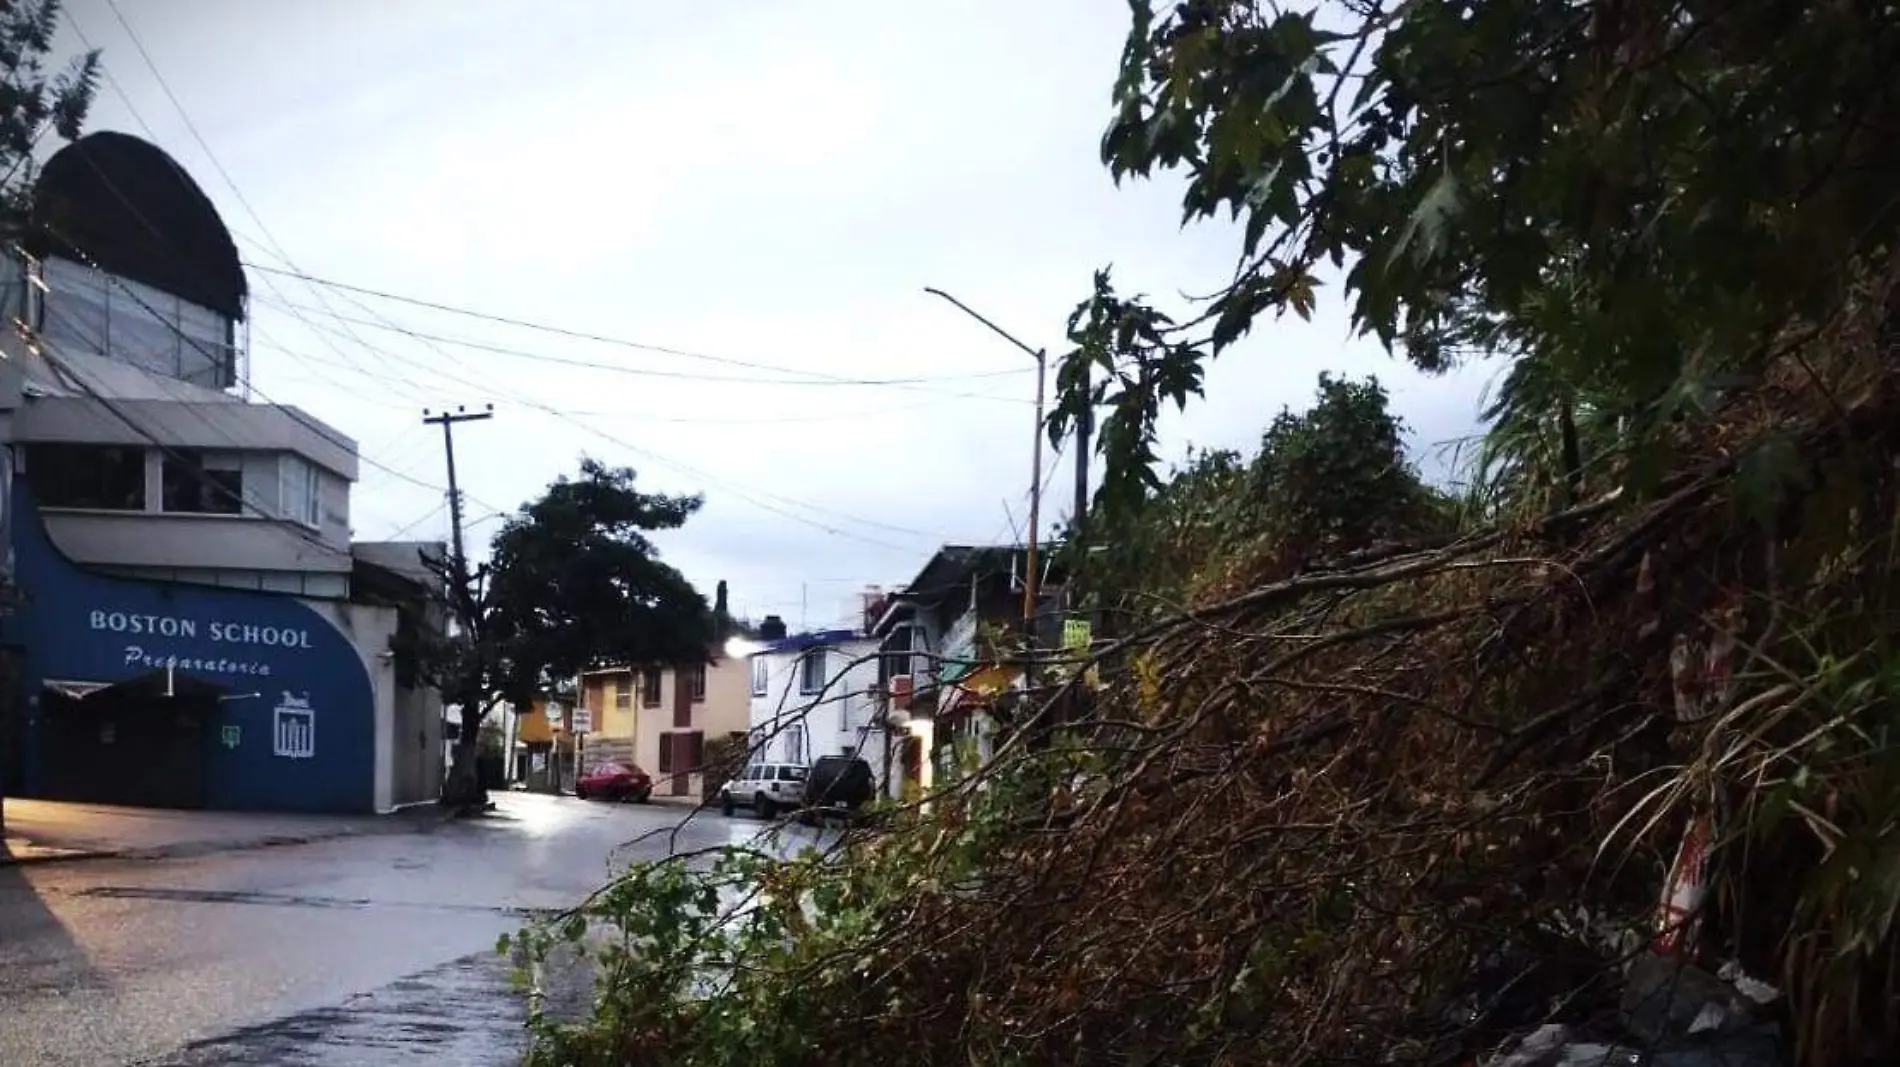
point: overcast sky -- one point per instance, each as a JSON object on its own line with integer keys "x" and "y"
{"x": 771, "y": 182}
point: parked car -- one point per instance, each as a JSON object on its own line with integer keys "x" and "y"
{"x": 615, "y": 781}
{"x": 765, "y": 788}
{"x": 838, "y": 785}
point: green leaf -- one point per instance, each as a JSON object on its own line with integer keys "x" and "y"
{"x": 1424, "y": 232}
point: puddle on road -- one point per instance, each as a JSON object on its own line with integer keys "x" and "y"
{"x": 291, "y": 900}
{"x": 465, "y": 1013}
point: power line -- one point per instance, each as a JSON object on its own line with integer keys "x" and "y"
{"x": 276, "y": 248}
{"x": 327, "y": 433}
{"x": 732, "y": 488}
{"x": 671, "y": 420}
{"x": 349, "y": 362}
{"x": 641, "y": 372}
{"x": 620, "y": 342}
{"x": 191, "y": 127}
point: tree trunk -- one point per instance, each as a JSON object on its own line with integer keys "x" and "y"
{"x": 463, "y": 787}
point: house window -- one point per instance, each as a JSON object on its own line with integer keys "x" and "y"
{"x": 202, "y": 483}
{"x": 894, "y": 655}
{"x": 650, "y": 687}
{"x": 761, "y": 675}
{"x": 682, "y": 753}
{"x": 696, "y": 682}
{"x": 301, "y": 499}
{"x": 623, "y": 691}
{"x": 136, "y": 323}
{"x": 811, "y": 672}
{"x": 105, "y": 477}
{"x": 795, "y": 743}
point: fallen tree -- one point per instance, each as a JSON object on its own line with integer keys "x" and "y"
{"x": 1401, "y": 802}
{"x": 1331, "y": 810}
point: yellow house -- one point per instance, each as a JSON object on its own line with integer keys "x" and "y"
{"x": 659, "y": 718}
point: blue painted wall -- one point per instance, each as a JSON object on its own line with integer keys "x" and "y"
{"x": 78, "y": 625}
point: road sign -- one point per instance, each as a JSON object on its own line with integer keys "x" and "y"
{"x": 583, "y": 720}
{"x": 232, "y": 735}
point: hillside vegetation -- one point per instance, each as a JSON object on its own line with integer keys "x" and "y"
{"x": 1372, "y": 774}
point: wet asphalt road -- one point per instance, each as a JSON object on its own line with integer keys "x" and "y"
{"x": 371, "y": 950}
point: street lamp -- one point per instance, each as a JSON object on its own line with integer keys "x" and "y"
{"x": 1031, "y": 583}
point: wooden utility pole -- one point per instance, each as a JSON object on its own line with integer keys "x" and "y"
{"x": 462, "y": 788}
{"x": 447, "y": 421}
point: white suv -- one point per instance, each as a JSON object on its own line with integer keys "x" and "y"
{"x": 765, "y": 788}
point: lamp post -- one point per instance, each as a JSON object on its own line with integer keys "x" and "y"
{"x": 1033, "y": 580}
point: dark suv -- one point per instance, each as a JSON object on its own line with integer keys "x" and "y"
{"x": 838, "y": 785}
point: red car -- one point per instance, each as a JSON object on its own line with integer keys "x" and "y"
{"x": 615, "y": 781}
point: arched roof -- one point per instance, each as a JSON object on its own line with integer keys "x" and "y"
{"x": 128, "y": 206}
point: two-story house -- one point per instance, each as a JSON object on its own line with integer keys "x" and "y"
{"x": 189, "y": 623}
{"x": 660, "y": 719}
{"x": 949, "y": 655}
{"x": 814, "y": 694}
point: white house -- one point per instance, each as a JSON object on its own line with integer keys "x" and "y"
{"x": 813, "y": 694}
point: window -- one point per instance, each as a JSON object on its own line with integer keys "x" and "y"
{"x": 202, "y": 483}
{"x": 301, "y": 499}
{"x": 666, "y": 753}
{"x": 791, "y": 774}
{"x": 754, "y": 773}
{"x": 761, "y": 675}
{"x": 623, "y": 691}
{"x": 136, "y": 323}
{"x": 795, "y": 743}
{"x": 106, "y": 477}
{"x": 811, "y": 672}
{"x": 650, "y": 687}
{"x": 894, "y": 655}
{"x": 696, "y": 682}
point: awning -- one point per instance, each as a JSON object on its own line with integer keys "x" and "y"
{"x": 979, "y": 687}
{"x": 72, "y": 690}
{"x": 165, "y": 682}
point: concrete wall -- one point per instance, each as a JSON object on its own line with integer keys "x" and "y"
{"x": 218, "y": 425}
{"x": 408, "y": 722}
{"x": 728, "y": 707}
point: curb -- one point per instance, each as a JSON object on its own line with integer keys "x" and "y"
{"x": 57, "y": 855}
{"x": 195, "y": 849}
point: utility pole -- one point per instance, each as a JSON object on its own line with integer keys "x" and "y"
{"x": 447, "y": 421}
{"x": 1083, "y": 427}
{"x": 1032, "y": 582}
{"x": 462, "y": 601}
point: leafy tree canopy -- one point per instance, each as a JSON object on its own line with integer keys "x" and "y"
{"x": 1332, "y": 478}
{"x": 573, "y": 581}
{"x": 32, "y": 100}
{"x": 1639, "y": 201}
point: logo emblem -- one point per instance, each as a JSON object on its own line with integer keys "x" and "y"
{"x": 294, "y": 728}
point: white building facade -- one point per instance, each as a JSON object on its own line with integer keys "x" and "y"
{"x": 814, "y": 694}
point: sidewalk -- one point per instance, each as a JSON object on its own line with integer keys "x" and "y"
{"x": 43, "y": 830}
